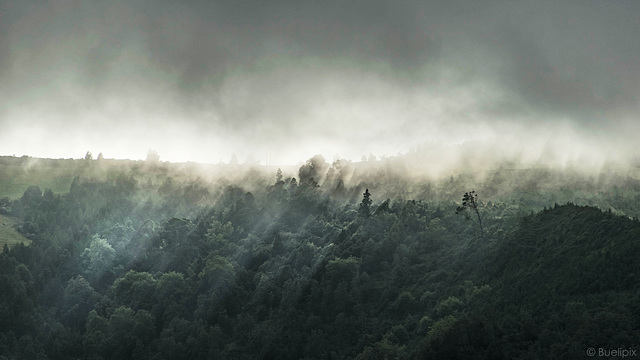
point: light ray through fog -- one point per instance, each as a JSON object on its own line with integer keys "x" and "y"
{"x": 200, "y": 81}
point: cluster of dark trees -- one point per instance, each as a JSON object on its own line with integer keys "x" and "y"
{"x": 122, "y": 269}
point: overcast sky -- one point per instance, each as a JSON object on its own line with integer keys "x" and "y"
{"x": 200, "y": 80}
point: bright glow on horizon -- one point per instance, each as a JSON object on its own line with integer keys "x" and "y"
{"x": 291, "y": 86}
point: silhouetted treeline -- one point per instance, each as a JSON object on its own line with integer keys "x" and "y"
{"x": 532, "y": 187}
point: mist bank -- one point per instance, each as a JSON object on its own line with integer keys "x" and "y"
{"x": 204, "y": 79}
{"x": 430, "y": 173}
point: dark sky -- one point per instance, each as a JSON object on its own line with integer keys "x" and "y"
{"x": 200, "y": 80}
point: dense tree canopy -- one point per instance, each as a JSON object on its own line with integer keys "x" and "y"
{"x": 128, "y": 266}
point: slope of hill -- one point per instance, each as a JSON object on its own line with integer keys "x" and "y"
{"x": 564, "y": 281}
{"x": 135, "y": 265}
{"x": 17, "y": 174}
{"x": 8, "y": 234}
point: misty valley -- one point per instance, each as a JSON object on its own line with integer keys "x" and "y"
{"x": 118, "y": 259}
{"x": 324, "y": 179}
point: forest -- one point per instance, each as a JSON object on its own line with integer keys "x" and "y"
{"x": 115, "y": 259}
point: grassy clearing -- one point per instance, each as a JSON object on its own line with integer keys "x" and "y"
{"x": 8, "y": 233}
{"x": 15, "y": 178}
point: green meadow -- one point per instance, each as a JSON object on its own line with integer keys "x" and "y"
{"x": 17, "y": 174}
{"x": 8, "y": 234}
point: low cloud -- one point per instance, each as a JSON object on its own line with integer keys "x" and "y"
{"x": 201, "y": 80}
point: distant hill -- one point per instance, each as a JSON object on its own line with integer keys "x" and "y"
{"x": 613, "y": 188}
{"x": 18, "y": 173}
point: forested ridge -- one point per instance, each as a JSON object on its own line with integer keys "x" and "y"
{"x": 145, "y": 262}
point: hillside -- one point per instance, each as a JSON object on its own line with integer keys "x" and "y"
{"x": 528, "y": 187}
{"x": 133, "y": 265}
{"x": 8, "y": 234}
{"x": 564, "y": 281}
{"x": 17, "y": 174}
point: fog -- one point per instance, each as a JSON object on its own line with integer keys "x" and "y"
{"x": 555, "y": 82}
